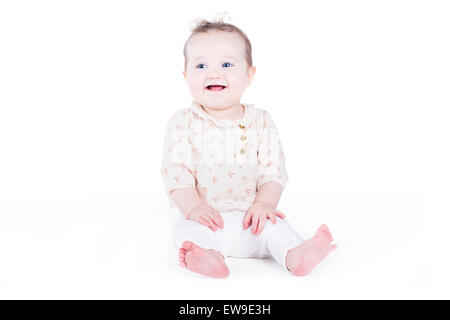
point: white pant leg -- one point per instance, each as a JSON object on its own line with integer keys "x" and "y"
{"x": 274, "y": 241}
{"x": 279, "y": 238}
{"x": 201, "y": 235}
{"x": 245, "y": 243}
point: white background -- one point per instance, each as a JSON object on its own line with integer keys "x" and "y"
{"x": 358, "y": 89}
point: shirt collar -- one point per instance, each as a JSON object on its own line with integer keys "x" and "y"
{"x": 197, "y": 109}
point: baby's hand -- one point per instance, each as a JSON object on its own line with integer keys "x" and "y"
{"x": 257, "y": 215}
{"x": 206, "y": 215}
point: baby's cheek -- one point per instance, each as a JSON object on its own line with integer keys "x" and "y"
{"x": 239, "y": 82}
{"x": 194, "y": 83}
{"x": 196, "y": 88}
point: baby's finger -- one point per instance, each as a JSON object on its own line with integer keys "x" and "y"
{"x": 280, "y": 214}
{"x": 273, "y": 218}
{"x": 211, "y": 223}
{"x": 217, "y": 219}
{"x": 261, "y": 224}
{"x": 207, "y": 222}
{"x": 220, "y": 218}
{"x": 202, "y": 221}
{"x": 247, "y": 219}
{"x": 255, "y": 222}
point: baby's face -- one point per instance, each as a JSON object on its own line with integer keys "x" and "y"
{"x": 217, "y": 58}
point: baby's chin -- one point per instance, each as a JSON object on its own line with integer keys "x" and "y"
{"x": 215, "y": 107}
{"x": 218, "y": 104}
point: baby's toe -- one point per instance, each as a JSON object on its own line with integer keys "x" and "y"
{"x": 188, "y": 245}
{"x": 330, "y": 237}
{"x": 182, "y": 259}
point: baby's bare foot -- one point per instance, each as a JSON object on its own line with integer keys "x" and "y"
{"x": 303, "y": 258}
{"x": 207, "y": 262}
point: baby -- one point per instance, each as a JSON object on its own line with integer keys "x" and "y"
{"x": 223, "y": 165}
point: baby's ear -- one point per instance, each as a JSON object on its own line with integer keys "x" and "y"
{"x": 184, "y": 74}
{"x": 251, "y": 73}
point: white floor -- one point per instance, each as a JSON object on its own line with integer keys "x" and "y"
{"x": 118, "y": 246}
{"x": 358, "y": 90}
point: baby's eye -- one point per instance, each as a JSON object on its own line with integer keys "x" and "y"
{"x": 199, "y": 66}
{"x": 227, "y": 65}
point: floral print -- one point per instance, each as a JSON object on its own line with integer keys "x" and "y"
{"x": 226, "y": 160}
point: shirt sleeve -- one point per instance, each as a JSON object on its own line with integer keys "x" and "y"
{"x": 177, "y": 169}
{"x": 271, "y": 158}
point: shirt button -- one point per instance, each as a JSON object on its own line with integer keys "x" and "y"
{"x": 243, "y": 138}
{"x": 242, "y": 151}
{"x": 241, "y": 126}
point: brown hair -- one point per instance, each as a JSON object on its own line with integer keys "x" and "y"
{"x": 204, "y": 26}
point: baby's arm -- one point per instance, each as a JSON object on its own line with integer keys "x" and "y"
{"x": 185, "y": 199}
{"x": 177, "y": 170}
{"x": 272, "y": 179}
{"x": 270, "y": 193}
{"x": 264, "y": 207}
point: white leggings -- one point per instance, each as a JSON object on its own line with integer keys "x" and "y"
{"x": 233, "y": 241}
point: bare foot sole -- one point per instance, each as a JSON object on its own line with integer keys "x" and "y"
{"x": 207, "y": 262}
{"x": 303, "y": 258}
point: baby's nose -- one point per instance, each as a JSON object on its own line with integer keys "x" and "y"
{"x": 214, "y": 73}
{"x": 214, "y": 76}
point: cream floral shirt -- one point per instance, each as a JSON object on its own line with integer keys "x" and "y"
{"x": 227, "y": 161}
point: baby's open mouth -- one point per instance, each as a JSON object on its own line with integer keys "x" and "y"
{"x": 215, "y": 87}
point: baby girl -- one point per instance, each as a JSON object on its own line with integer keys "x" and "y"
{"x": 223, "y": 165}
